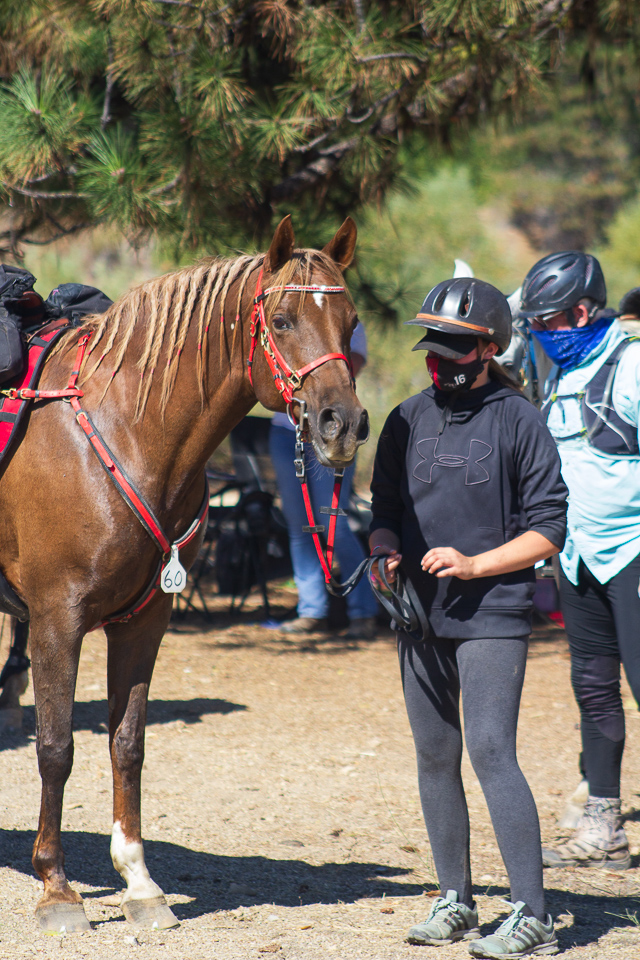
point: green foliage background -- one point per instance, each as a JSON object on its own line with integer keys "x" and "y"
{"x": 404, "y": 249}
{"x": 204, "y": 120}
{"x": 488, "y": 131}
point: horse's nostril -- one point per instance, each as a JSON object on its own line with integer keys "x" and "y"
{"x": 362, "y": 432}
{"x": 330, "y": 423}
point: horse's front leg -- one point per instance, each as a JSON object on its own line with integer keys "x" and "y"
{"x": 133, "y": 648}
{"x": 55, "y": 651}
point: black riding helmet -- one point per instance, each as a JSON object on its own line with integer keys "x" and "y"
{"x": 457, "y": 312}
{"x": 558, "y": 282}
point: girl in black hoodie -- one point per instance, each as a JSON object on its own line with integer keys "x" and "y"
{"x": 467, "y": 496}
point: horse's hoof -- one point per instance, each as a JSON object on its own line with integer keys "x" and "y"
{"x": 153, "y": 913}
{"x": 62, "y": 918}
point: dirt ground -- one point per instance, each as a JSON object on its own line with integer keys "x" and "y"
{"x": 281, "y": 811}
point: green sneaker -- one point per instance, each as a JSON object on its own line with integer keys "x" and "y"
{"x": 447, "y": 922}
{"x": 518, "y": 936}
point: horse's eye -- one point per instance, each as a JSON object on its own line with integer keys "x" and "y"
{"x": 279, "y": 323}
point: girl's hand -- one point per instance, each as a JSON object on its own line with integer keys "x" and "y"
{"x": 390, "y": 566}
{"x": 447, "y": 562}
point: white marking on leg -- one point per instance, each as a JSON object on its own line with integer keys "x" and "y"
{"x": 318, "y": 298}
{"x": 128, "y": 859}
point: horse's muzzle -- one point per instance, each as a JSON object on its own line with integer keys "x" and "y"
{"x": 339, "y": 432}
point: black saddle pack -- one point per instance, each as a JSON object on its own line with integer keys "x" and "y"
{"x": 23, "y": 311}
{"x": 19, "y": 303}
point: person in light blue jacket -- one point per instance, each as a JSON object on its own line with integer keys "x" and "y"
{"x": 592, "y": 406}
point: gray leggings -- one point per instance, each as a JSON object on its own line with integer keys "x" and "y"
{"x": 490, "y": 674}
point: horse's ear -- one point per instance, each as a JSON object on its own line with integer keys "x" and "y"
{"x": 343, "y": 245}
{"x": 281, "y": 248}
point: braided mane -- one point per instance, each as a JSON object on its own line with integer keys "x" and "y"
{"x": 167, "y": 307}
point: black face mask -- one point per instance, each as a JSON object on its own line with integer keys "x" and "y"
{"x": 449, "y": 376}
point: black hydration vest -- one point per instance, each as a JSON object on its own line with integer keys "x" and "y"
{"x": 603, "y": 428}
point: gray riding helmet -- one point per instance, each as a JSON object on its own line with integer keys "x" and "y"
{"x": 456, "y": 312}
{"x": 558, "y": 282}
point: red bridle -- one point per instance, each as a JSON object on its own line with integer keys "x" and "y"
{"x": 286, "y": 380}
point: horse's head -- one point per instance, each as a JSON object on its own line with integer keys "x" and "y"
{"x": 304, "y": 326}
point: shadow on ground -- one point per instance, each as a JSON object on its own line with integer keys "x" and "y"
{"x": 93, "y": 715}
{"x": 581, "y": 918}
{"x": 216, "y": 882}
{"x": 224, "y": 883}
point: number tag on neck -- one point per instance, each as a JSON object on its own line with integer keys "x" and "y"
{"x": 174, "y": 575}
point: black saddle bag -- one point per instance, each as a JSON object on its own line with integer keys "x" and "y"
{"x": 12, "y": 352}
{"x": 75, "y": 301}
{"x": 20, "y": 306}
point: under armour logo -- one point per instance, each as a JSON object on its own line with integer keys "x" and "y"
{"x": 478, "y": 450}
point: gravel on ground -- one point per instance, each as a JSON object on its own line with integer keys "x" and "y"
{"x": 280, "y": 805}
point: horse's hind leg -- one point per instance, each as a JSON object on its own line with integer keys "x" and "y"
{"x": 133, "y": 648}
{"x": 14, "y": 678}
{"x": 55, "y": 653}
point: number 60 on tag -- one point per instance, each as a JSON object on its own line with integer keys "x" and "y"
{"x": 174, "y": 575}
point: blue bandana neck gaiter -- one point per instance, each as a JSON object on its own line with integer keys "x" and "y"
{"x": 570, "y": 348}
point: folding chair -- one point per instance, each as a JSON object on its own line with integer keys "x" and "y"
{"x": 246, "y": 542}
{"x": 220, "y": 484}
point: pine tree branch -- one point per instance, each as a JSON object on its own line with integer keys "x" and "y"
{"x": 391, "y": 56}
{"x": 50, "y": 217}
{"x": 105, "y": 119}
{"x": 9, "y": 239}
{"x": 63, "y": 232}
{"x": 44, "y": 176}
{"x": 314, "y": 172}
{"x": 382, "y": 102}
{"x": 328, "y": 162}
{"x": 178, "y": 3}
{"x": 353, "y": 118}
{"x": 218, "y": 13}
{"x": 361, "y": 15}
{"x": 306, "y": 147}
{"x": 456, "y": 87}
{"x": 166, "y": 187}
{"x": 38, "y": 195}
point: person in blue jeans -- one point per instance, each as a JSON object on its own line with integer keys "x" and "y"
{"x": 313, "y": 599}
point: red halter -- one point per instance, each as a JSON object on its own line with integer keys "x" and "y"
{"x": 287, "y": 380}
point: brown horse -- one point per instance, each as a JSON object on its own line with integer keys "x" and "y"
{"x": 165, "y": 380}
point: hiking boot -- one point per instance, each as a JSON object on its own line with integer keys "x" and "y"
{"x": 574, "y": 810}
{"x": 303, "y": 625}
{"x": 362, "y": 628}
{"x": 518, "y": 936}
{"x": 599, "y": 841}
{"x": 447, "y": 922}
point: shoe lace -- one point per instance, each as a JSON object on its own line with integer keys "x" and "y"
{"x": 442, "y": 905}
{"x": 508, "y": 926}
{"x": 600, "y": 812}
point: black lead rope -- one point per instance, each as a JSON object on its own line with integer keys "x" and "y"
{"x": 399, "y": 598}
{"x": 400, "y": 601}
